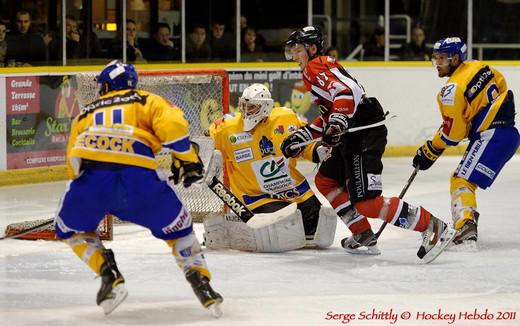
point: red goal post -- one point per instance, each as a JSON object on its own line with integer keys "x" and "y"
{"x": 203, "y": 95}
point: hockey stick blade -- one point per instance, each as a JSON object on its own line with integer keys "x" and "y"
{"x": 29, "y": 230}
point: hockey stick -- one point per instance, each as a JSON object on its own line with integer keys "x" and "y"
{"x": 37, "y": 227}
{"x": 401, "y": 195}
{"x": 229, "y": 199}
{"x": 221, "y": 191}
{"x": 349, "y": 130}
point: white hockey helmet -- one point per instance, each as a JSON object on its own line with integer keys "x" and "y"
{"x": 255, "y": 104}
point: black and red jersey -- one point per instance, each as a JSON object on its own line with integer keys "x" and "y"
{"x": 332, "y": 88}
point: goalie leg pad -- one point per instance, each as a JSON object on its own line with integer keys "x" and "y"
{"x": 216, "y": 235}
{"x": 279, "y": 231}
{"x": 241, "y": 235}
{"x": 326, "y": 229}
{"x": 228, "y": 232}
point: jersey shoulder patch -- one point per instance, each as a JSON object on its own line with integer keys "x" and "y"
{"x": 447, "y": 94}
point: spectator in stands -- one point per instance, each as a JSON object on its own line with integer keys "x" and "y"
{"x": 221, "y": 43}
{"x": 374, "y": 48}
{"x": 25, "y": 46}
{"x": 160, "y": 47}
{"x": 3, "y": 44}
{"x": 416, "y": 49}
{"x": 197, "y": 48}
{"x": 79, "y": 45}
{"x": 133, "y": 53}
{"x": 333, "y": 51}
{"x": 251, "y": 50}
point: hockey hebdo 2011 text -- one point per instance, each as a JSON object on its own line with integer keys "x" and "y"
{"x": 392, "y": 316}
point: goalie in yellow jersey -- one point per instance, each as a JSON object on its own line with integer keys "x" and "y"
{"x": 475, "y": 104}
{"x": 267, "y": 182}
{"x": 111, "y": 163}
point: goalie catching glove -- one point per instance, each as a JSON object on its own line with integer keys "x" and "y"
{"x": 301, "y": 135}
{"x": 189, "y": 172}
{"x": 335, "y": 129}
{"x": 426, "y": 156}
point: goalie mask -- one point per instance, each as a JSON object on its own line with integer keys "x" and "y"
{"x": 255, "y": 104}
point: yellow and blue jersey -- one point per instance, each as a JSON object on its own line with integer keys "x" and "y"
{"x": 258, "y": 172}
{"x": 128, "y": 127}
{"x": 473, "y": 100}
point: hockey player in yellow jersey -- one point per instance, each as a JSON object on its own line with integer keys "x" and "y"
{"x": 259, "y": 174}
{"x": 475, "y": 104}
{"x": 111, "y": 163}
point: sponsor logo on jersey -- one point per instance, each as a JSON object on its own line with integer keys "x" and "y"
{"x": 447, "y": 122}
{"x": 358, "y": 177}
{"x": 472, "y": 156}
{"x": 108, "y": 143}
{"x": 288, "y": 194}
{"x": 120, "y": 99}
{"x": 477, "y": 84}
{"x": 374, "y": 182}
{"x": 279, "y": 130}
{"x": 273, "y": 174}
{"x": 266, "y": 147}
{"x": 182, "y": 221}
{"x": 448, "y": 94}
{"x": 485, "y": 170}
{"x": 244, "y": 154}
{"x": 240, "y": 138}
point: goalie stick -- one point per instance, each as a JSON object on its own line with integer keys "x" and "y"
{"x": 229, "y": 199}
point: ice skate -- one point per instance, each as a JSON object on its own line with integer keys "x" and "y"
{"x": 364, "y": 243}
{"x": 467, "y": 235}
{"x": 113, "y": 291}
{"x": 207, "y": 297}
{"x": 437, "y": 236}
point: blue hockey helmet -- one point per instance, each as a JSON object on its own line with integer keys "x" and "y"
{"x": 117, "y": 75}
{"x": 451, "y": 46}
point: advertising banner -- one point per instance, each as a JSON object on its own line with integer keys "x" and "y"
{"x": 39, "y": 111}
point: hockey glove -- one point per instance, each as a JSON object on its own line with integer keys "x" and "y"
{"x": 426, "y": 156}
{"x": 188, "y": 172}
{"x": 336, "y": 128}
{"x": 301, "y": 135}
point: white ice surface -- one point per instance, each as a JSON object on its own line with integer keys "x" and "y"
{"x": 43, "y": 283}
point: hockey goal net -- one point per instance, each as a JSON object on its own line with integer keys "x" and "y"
{"x": 203, "y": 95}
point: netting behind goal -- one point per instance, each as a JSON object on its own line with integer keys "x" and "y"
{"x": 203, "y": 95}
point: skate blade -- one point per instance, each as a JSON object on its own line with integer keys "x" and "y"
{"x": 464, "y": 246}
{"x": 215, "y": 310}
{"x": 445, "y": 239}
{"x": 372, "y": 251}
{"x": 120, "y": 294}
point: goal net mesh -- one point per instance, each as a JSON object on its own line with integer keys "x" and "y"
{"x": 203, "y": 96}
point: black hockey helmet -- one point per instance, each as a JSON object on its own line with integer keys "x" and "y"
{"x": 307, "y": 36}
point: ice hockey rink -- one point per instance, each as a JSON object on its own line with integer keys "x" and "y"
{"x": 44, "y": 283}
